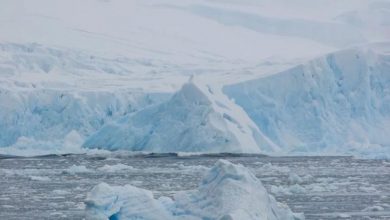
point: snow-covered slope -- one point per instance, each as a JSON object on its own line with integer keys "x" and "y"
{"x": 34, "y": 66}
{"x": 157, "y": 44}
{"x": 339, "y": 103}
{"x": 227, "y": 192}
{"x": 198, "y": 118}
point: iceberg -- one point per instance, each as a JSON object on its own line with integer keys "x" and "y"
{"x": 227, "y": 192}
{"x": 335, "y": 104}
{"x": 198, "y": 118}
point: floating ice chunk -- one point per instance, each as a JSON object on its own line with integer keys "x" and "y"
{"x": 271, "y": 167}
{"x": 40, "y": 178}
{"x": 60, "y": 192}
{"x": 288, "y": 190}
{"x": 344, "y": 215}
{"x": 228, "y": 191}
{"x": 318, "y": 188}
{"x": 193, "y": 168}
{"x": 307, "y": 178}
{"x": 28, "y": 172}
{"x": 367, "y": 189}
{"x": 115, "y": 168}
{"x": 76, "y": 169}
{"x": 293, "y": 178}
{"x": 375, "y": 208}
{"x": 123, "y": 202}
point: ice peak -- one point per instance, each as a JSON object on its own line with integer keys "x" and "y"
{"x": 224, "y": 170}
{"x": 191, "y": 79}
{"x": 191, "y": 92}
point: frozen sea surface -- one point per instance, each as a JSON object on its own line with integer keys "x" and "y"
{"x": 55, "y": 187}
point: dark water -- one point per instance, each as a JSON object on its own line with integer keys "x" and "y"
{"x": 326, "y": 187}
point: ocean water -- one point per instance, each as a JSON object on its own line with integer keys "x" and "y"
{"x": 55, "y": 187}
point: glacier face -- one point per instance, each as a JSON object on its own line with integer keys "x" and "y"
{"x": 227, "y": 192}
{"x": 339, "y": 103}
{"x": 198, "y": 118}
{"x": 46, "y": 119}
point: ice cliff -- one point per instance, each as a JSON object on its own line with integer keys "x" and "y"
{"x": 45, "y": 121}
{"x": 227, "y": 192}
{"x": 198, "y": 118}
{"x": 338, "y": 103}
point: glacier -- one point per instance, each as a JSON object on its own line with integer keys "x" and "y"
{"x": 227, "y": 191}
{"x": 335, "y": 104}
{"x": 91, "y": 72}
{"x": 198, "y": 118}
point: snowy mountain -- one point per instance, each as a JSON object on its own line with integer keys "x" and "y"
{"x": 197, "y": 118}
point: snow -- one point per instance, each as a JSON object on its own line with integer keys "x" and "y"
{"x": 137, "y": 44}
{"x": 228, "y": 191}
{"x": 198, "y": 118}
{"x": 155, "y": 46}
